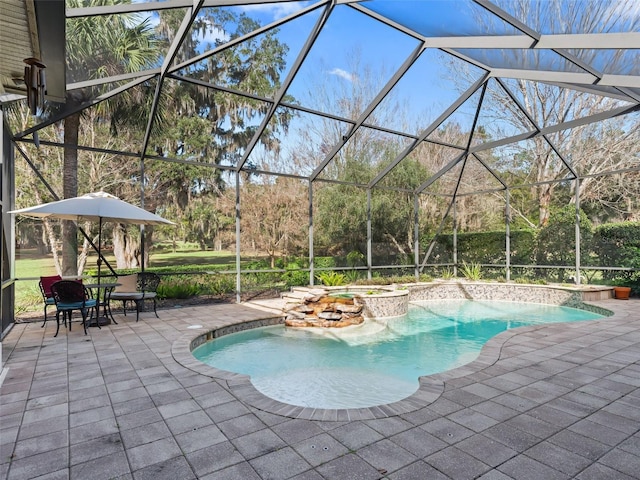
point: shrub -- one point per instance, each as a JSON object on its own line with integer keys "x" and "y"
{"x": 425, "y": 278}
{"x": 29, "y": 299}
{"x": 393, "y": 279}
{"x": 257, "y": 265}
{"x": 352, "y": 276}
{"x": 487, "y": 247}
{"x": 376, "y": 280}
{"x": 324, "y": 262}
{"x": 355, "y": 258}
{"x": 294, "y": 277}
{"x": 179, "y": 288}
{"x": 222, "y": 284}
{"x": 618, "y": 245}
{"x": 331, "y": 279}
{"x": 446, "y": 273}
{"x": 471, "y": 271}
{"x": 556, "y": 240}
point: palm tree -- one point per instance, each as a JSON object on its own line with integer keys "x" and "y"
{"x": 99, "y": 46}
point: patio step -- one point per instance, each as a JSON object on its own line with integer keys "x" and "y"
{"x": 298, "y": 293}
{"x": 293, "y": 296}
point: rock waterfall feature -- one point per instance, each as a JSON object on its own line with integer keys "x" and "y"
{"x": 319, "y": 308}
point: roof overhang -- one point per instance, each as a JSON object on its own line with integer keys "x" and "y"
{"x": 32, "y": 28}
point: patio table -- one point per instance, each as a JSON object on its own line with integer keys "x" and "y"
{"x": 103, "y": 301}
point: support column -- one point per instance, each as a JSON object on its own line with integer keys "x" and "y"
{"x": 416, "y": 236}
{"x": 238, "y": 297}
{"x": 311, "y": 253}
{"x": 507, "y": 236}
{"x": 369, "y": 239}
{"x": 142, "y": 232}
{"x": 7, "y": 236}
{"x": 455, "y": 239}
{"x": 577, "y": 195}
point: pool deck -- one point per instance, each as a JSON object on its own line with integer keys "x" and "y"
{"x": 546, "y": 402}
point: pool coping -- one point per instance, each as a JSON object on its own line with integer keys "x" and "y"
{"x": 429, "y": 390}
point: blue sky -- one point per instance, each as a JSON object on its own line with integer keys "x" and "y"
{"x": 424, "y": 91}
{"x": 328, "y": 73}
{"x": 348, "y": 33}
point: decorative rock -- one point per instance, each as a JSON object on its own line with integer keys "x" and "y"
{"x": 347, "y": 322}
{"x": 320, "y": 309}
{"x": 330, "y": 316}
{"x": 312, "y": 298}
{"x": 355, "y": 320}
{"x": 303, "y": 309}
{"x": 348, "y": 308}
{"x": 341, "y": 300}
{"x": 318, "y": 291}
{"x": 295, "y": 322}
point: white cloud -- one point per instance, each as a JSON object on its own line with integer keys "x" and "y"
{"x": 213, "y": 34}
{"x": 276, "y": 10}
{"x": 343, "y": 73}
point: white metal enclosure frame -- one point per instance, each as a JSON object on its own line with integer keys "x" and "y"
{"x": 571, "y": 71}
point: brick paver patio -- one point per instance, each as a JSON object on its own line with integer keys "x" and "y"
{"x": 552, "y": 402}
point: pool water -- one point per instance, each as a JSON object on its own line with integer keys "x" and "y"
{"x": 363, "y": 366}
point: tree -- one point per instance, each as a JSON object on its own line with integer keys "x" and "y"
{"x": 610, "y": 146}
{"x": 341, "y": 211}
{"x": 191, "y": 122}
{"x": 98, "y": 46}
{"x": 273, "y": 217}
{"x": 253, "y": 67}
{"x": 207, "y": 126}
{"x": 556, "y": 240}
{"x": 549, "y": 105}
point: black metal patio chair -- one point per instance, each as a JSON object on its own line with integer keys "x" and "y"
{"x": 70, "y": 295}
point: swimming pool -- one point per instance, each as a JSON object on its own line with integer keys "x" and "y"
{"x": 372, "y": 365}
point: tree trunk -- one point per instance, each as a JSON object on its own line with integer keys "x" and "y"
{"x": 49, "y": 236}
{"x": 70, "y": 190}
{"x": 148, "y": 242}
{"x": 83, "y": 256}
{"x": 544, "y": 201}
{"x": 52, "y": 242}
{"x": 395, "y": 242}
{"x": 125, "y": 248}
{"x": 41, "y": 243}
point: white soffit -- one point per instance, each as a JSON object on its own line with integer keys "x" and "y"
{"x": 17, "y": 22}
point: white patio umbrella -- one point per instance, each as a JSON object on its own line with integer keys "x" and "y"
{"x": 96, "y": 207}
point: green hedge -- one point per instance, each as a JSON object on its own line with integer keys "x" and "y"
{"x": 615, "y": 245}
{"x": 618, "y": 244}
{"x": 486, "y": 247}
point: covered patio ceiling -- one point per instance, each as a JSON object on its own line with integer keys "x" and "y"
{"x": 31, "y": 29}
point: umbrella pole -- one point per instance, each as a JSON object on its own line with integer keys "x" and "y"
{"x": 99, "y": 262}
{"x": 93, "y": 245}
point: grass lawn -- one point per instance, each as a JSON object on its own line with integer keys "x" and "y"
{"x": 168, "y": 259}
{"x": 30, "y": 266}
